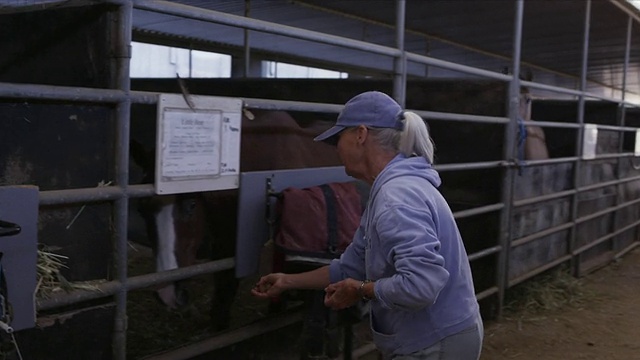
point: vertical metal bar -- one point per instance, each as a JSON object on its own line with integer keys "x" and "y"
{"x": 400, "y": 63}
{"x": 190, "y": 61}
{"x": 575, "y": 261}
{"x": 621, "y": 122}
{"x": 625, "y": 70}
{"x": 427, "y": 52}
{"x": 122, "y": 57}
{"x": 247, "y": 48}
{"x": 508, "y": 182}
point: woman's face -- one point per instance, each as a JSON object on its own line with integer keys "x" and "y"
{"x": 350, "y": 152}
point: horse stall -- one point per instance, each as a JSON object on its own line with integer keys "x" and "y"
{"x": 473, "y": 188}
{"x": 58, "y": 145}
{"x": 540, "y": 172}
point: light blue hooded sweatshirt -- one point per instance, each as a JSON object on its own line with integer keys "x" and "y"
{"x": 409, "y": 244}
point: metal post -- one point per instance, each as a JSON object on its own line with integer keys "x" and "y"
{"x": 575, "y": 261}
{"x": 190, "y": 61}
{"x": 122, "y": 57}
{"x": 621, "y": 122}
{"x": 400, "y": 62}
{"x": 509, "y": 154}
{"x": 247, "y": 49}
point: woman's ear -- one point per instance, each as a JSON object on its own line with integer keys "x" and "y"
{"x": 362, "y": 134}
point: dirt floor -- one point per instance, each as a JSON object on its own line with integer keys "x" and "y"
{"x": 554, "y": 317}
{"x": 601, "y": 322}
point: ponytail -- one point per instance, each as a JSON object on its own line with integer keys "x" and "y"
{"x": 415, "y": 138}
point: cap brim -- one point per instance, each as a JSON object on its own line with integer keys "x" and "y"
{"x": 329, "y": 133}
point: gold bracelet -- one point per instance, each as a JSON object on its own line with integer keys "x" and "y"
{"x": 361, "y": 290}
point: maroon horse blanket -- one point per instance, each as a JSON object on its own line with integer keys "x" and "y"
{"x": 319, "y": 221}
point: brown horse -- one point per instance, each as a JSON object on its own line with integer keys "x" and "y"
{"x": 178, "y": 224}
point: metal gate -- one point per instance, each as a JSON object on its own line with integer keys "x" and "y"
{"x": 596, "y": 213}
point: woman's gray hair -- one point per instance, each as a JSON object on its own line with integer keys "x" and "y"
{"x": 414, "y": 139}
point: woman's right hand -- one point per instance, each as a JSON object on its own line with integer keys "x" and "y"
{"x": 269, "y": 286}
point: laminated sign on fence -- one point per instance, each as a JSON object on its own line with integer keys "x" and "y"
{"x": 198, "y": 143}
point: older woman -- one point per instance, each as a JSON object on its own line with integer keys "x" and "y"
{"x": 407, "y": 257}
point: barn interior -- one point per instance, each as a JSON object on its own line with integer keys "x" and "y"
{"x": 70, "y": 107}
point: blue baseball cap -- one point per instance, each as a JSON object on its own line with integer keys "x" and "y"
{"x": 371, "y": 108}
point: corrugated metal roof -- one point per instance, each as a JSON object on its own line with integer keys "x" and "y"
{"x": 474, "y": 33}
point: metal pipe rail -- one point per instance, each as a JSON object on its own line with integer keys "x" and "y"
{"x": 566, "y": 91}
{"x": 604, "y": 238}
{"x": 433, "y": 115}
{"x": 552, "y": 230}
{"x": 286, "y": 105}
{"x": 478, "y": 210}
{"x": 550, "y": 124}
{"x": 120, "y": 59}
{"x": 543, "y": 198}
{"x": 540, "y": 234}
{"x": 615, "y": 128}
{"x": 111, "y": 96}
{"x": 74, "y": 94}
{"x": 509, "y": 153}
{"x": 427, "y": 60}
{"x": 66, "y": 93}
{"x": 110, "y": 288}
{"x": 606, "y": 211}
{"x": 114, "y": 96}
{"x": 196, "y": 13}
{"x": 561, "y": 194}
{"x": 555, "y": 124}
{"x": 538, "y": 270}
{"x": 400, "y": 62}
{"x": 575, "y": 262}
{"x": 472, "y": 165}
{"x": 610, "y": 156}
{"x": 627, "y": 249}
{"x": 109, "y": 193}
{"x": 486, "y": 293}
{"x": 484, "y": 253}
{"x": 550, "y": 161}
{"x": 572, "y": 159}
{"x": 220, "y": 341}
{"x": 96, "y": 194}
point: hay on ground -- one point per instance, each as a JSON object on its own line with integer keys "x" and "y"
{"x": 50, "y": 279}
{"x": 549, "y": 291}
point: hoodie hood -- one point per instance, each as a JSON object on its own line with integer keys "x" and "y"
{"x": 401, "y": 165}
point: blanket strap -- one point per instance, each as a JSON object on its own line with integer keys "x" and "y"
{"x": 332, "y": 218}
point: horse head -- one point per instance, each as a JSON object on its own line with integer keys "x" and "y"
{"x": 175, "y": 227}
{"x": 532, "y": 143}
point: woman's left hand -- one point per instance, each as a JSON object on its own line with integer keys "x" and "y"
{"x": 342, "y": 294}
